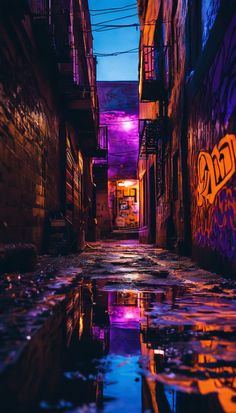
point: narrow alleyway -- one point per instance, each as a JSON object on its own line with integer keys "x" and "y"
{"x": 146, "y": 331}
{"x": 117, "y": 187}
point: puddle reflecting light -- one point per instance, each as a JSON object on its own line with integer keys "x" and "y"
{"x": 81, "y": 326}
{"x": 129, "y": 316}
{"x": 131, "y": 276}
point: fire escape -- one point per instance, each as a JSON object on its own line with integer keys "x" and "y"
{"x": 154, "y": 87}
{"x": 63, "y": 26}
{"x": 101, "y": 154}
{"x": 152, "y": 81}
{"x": 150, "y": 132}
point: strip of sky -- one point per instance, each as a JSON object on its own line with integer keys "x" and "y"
{"x": 112, "y": 40}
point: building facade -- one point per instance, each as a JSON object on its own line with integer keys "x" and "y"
{"x": 116, "y": 178}
{"x": 48, "y": 122}
{"x": 187, "y": 128}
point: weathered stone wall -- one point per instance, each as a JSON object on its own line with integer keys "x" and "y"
{"x": 29, "y": 136}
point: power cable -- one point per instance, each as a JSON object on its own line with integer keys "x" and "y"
{"x": 112, "y": 20}
{"x": 112, "y": 12}
{"x": 134, "y": 50}
{"x": 108, "y": 27}
{"x": 113, "y": 8}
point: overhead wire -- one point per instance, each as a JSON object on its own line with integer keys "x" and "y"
{"x": 112, "y": 12}
{"x": 103, "y": 26}
{"x": 108, "y": 27}
{"x": 114, "y": 8}
{"x": 112, "y": 20}
{"x": 130, "y": 51}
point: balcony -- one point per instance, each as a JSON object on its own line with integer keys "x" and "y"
{"x": 151, "y": 132}
{"x": 82, "y": 110}
{"x": 152, "y": 82}
{"x": 101, "y": 153}
{"x": 58, "y": 25}
{"x": 40, "y": 9}
{"x": 52, "y": 26}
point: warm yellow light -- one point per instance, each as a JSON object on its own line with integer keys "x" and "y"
{"x": 159, "y": 352}
{"x": 126, "y": 183}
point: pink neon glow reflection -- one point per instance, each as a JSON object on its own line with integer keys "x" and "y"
{"x": 128, "y": 125}
{"x": 124, "y": 315}
{"x": 129, "y": 316}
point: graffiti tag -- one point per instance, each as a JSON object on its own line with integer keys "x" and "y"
{"x": 215, "y": 169}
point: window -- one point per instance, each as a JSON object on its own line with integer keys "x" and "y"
{"x": 143, "y": 200}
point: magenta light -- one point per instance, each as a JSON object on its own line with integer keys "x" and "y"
{"x": 123, "y": 143}
{"x": 128, "y": 125}
{"x": 119, "y": 111}
{"x": 125, "y": 316}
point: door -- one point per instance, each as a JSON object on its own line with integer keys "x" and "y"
{"x": 152, "y": 203}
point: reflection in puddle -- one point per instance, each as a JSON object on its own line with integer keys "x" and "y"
{"x": 148, "y": 350}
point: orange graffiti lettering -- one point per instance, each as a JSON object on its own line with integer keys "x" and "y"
{"x": 215, "y": 169}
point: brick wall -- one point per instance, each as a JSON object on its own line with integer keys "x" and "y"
{"x": 196, "y": 211}
{"x": 212, "y": 155}
{"x": 29, "y": 136}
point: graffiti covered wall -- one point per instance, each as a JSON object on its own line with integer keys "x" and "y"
{"x": 212, "y": 148}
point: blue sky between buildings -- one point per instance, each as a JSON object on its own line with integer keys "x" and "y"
{"x": 110, "y": 40}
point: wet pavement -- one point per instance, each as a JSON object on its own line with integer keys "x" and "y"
{"x": 151, "y": 332}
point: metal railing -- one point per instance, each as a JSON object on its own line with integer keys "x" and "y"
{"x": 150, "y": 132}
{"x": 154, "y": 62}
{"x": 103, "y": 138}
{"x": 154, "y": 70}
{"x": 40, "y": 8}
{"x": 47, "y": 8}
{"x": 59, "y": 21}
{"x": 101, "y": 157}
{"x": 151, "y": 63}
{"x": 148, "y": 138}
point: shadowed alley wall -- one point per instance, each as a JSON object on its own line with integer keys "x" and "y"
{"x": 212, "y": 160}
{"x": 29, "y": 144}
{"x": 194, "y": 159}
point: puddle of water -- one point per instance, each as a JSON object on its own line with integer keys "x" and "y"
{"x": 148, "y": 350}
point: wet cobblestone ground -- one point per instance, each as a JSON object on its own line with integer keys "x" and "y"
{"x": 155, "y": 332}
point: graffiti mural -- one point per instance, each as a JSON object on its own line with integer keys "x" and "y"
{"x": 216, "y": 169}
{"x": 212, "y": 146}
{"x": 218, "y": 231}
